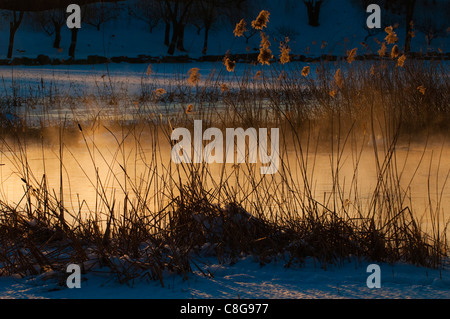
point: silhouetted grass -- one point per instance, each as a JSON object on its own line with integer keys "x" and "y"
{"x": 164, "y": 217}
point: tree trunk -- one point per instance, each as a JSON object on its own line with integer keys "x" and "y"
{"x": 180, "y": 42}
{"x": 313, "y": 8}
{"x": 12, "y": 33}
{"x": 57, "y": 42}
{"x": 205, "y": 43}
{"x": 174, "y": 40}
{"x": 13, "y": 26}
{"x": 73, "y": 43}
{"x": 167, "y": 35}
{"x": 409, "y": 20}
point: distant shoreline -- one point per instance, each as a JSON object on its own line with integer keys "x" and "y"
{"x": 248, "y": 58}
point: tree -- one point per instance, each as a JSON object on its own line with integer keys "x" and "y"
{"x": 166, "y": 30}
{"x": 152, "y": 12}
{"x": 19, "y": 7}
{"x": 207, "y": 11}
{"x": 178, "y": 12}
{"x": 433, "y": 20}
{"x": 405, "y": 8}
{"x": 410, "y": 5}
{"x": 148, "y": 11}
{"x": 74, "y": 37}
{"x": 97, "y": 14}
{"x": 16, "y": 20}
{"x": 73, "y": 42}
{"x": 51, "y": 21}
{"x": 211, "y": 12}
{"x": 313, "y": 7}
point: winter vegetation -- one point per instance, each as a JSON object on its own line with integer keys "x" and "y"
{"x": 86, "y": 139}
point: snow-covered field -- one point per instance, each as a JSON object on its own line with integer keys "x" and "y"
{"x": 247, "y": 279}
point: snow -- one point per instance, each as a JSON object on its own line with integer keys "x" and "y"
{"x": 248, "y": 279}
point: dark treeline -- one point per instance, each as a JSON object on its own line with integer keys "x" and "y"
{"x": 42, "y": 5}
{"x": 53, "y": 8}
{"x": 175, "y": 15}
{"x": 205, "y": 15}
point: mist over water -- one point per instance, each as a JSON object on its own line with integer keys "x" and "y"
{"x": 120, "y": 165}
{"x": 98, "y": 170}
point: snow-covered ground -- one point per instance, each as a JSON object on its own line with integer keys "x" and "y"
{"x": 247, "y": 279}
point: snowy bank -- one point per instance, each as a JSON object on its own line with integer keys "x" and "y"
{"x": 247, "y": 279}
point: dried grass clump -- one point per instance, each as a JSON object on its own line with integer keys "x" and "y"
{"x": 160, "y": 92}
{"x": 240, "y": 28}
{"x": 194, "y": 76}
{"x": 189, "y": 109}
{"x": 422, "y": 89}
{"x": 395, "y": 52}
{"x": 391, "y": 37}
{"x": 338, "y": 79}
{"x": 383, "y": 49}
{"x": 265, "y": 54}
{"x": 261, "y": 21}
{"x": 401, "y": 61}
{"x": 230, "y": 65}
{"x": 306, "y": 70}
{"x": 351, "y": 55}
{"x": 285, "y": 52}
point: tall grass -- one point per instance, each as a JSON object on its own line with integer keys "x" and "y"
{"x": 150, "y": 216}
